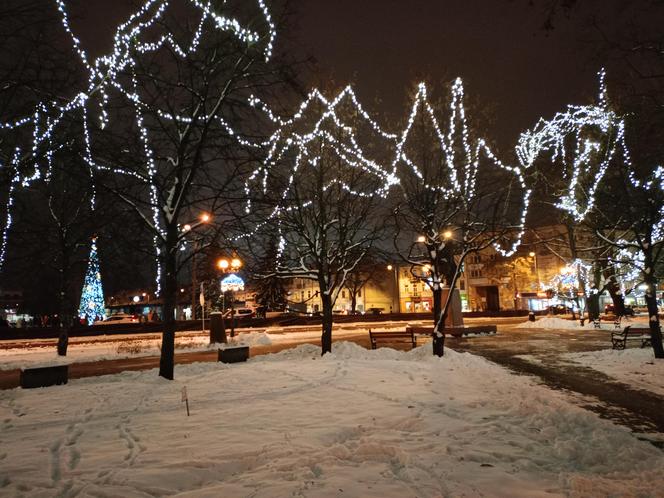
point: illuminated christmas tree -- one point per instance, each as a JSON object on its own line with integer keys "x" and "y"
{"x": 92, "y": 295}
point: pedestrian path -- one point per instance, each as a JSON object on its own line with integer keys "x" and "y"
{"x": 639, "y": 410}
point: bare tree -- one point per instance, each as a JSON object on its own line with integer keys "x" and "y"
{"x": 630, "y": 220}
{"x": 364, "y": 273}
{"x": 455, "y": 199}
{"x": 324, "y": 199}
{"x": 168, "y": 141}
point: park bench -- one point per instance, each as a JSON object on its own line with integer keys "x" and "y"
{"x": 392, "y": 337}
{"x": 617, "y": 322}
{"x": 619, "y": 339}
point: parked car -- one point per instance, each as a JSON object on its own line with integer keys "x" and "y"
{"x": 117, "y": 318}
{"x": 609, "y": 308}
{"x": 241, "y": 313}
{"x": 276, "y": 314}
{"x": 560, "y": 309}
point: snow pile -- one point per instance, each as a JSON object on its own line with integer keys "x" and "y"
{"x": 635, "y": 366}
{"x": 354, "y": 423}
{"x": 89, "y": 349}
{"x": 250, "y": 339}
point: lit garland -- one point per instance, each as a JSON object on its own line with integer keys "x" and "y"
{"x": 549, "y": 136}
{"x": 286, "y": 139}
{"x": 104, "y": 76}
{"x": 568, "y": 281}
{"x": 92, "y": 305}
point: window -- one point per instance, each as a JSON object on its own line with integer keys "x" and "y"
{"x": 309, "y": 294}
{"x": 343, "y": 294}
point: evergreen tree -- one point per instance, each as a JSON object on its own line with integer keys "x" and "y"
{"x": 270, "y": 290}
{"x": 92, "y": 295}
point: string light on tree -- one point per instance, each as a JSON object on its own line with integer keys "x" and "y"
{"x": 332, "y": 130}
{"x": 106, "y": 74}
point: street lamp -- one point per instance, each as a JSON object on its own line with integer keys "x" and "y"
{"x": 533, "y": 255}
{"x": 203, "y": 218}
{"x": 396, "y": 285}
{"x": 231, "y": 266}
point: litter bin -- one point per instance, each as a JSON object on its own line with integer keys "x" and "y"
{"x": 531, "y": 316}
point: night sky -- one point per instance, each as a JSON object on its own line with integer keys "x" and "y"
{"x": 499, "y": 47}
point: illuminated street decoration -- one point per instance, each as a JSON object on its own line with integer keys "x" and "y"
{"x": 232, "y": 283}
{"x": 134, "y": 37}
{"x": 130, "y": 40}
{"x": 461, "y": 181}
{"x": 590, "y": 157}
{"x": 568, "y": 281}
{"x": 92, "y": 295}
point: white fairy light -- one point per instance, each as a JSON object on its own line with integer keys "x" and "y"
{"x": 104, "y": 77}
{"x": 549, "y": 137}
{"x": 287, "y": 137}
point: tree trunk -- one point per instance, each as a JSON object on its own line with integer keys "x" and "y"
{"x": 438, "y": 334}
{"x": 614, "y": 291}
{"x": 651, "y": 302}
{"x": 353, "y": 302}
{"x": 326, "y": 338}
{"x": 169, "y": 292}
{"x": 65, "y": 319}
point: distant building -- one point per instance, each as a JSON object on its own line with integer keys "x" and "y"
{"x": 11, "y": 301}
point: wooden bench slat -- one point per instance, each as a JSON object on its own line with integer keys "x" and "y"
{"x": 392, "y": 336}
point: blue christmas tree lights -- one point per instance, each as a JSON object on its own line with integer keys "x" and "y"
{"x": 92, "y": 295}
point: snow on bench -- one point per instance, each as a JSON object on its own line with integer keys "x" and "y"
{"x": 619, "y": 339}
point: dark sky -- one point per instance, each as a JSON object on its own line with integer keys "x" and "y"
{"x": 499, "y": 48}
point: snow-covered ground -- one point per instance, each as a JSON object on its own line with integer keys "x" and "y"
{"x": 114, "y": 347}
{"x": 557, "y": 323}
{"x": 356, "y": 423}
{"x": 83, "y": 349}
{"x": 634, "y": 366}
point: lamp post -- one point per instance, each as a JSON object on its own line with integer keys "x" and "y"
{"x": 396, "y": 285}
{"x": 186, "y": 229}
{"x": 533, "y": 255}
{"x": 230, "y": 266}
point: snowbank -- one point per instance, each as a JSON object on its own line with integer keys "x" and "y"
{"x": 355, "y": 423}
